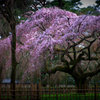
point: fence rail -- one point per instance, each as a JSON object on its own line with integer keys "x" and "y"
{"x": 37, "y": 92}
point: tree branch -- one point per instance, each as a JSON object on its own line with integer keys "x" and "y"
{"x": 90, "y": 74}
{"x": 61, "y": 68}
{"x": 78, "y": 59}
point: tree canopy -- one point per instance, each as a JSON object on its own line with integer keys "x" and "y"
{"x": 50, "y": 29}
{"x": 58, "y": 40}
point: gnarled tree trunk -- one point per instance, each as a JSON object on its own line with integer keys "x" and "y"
{"x": 82, "y": 85}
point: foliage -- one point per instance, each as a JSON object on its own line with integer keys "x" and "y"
{"x": 69, "y": 5}
{"x": 91, "y": 10}
{"x": 97, "y": 3}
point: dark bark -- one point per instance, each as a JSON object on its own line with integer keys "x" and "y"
{"x": 82, "y": 85}
{"x": 60, "y": 3}
{"x": 13, "y": 58}
{"x": 21, "y": 4}
{"x": 7, "y": 13}
{"x": 43, "y": 2}
{"x": 1, "y": 68}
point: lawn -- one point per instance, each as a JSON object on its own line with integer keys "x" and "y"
{"x": 88, "y": 96}
{"x": 69, "y": 96}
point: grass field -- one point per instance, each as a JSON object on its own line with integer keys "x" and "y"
{"x": 88, "y": 96}
{"x": 73, "y": 96}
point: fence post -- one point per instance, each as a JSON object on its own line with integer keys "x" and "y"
{"x": 38, "y": 96}
{"x": 56, "y": 93}
{"x": 95, "y": 96}
{"x": 0, "y": 90}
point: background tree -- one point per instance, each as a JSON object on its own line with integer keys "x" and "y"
{"x": 97, "y": 3}
{"x": 70, "y": 5}
{"x": 7, "y": 13}
{"x": 4, "y": 27}
{"x": 89, "y": 9}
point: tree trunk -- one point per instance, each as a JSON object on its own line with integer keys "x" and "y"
{"x": 13, "y": 58}
{"x": 60, "y": 3}
{"x": 1, "y": 68}
{"x": 82, "y": 85}
{"x": 7, "y": 13}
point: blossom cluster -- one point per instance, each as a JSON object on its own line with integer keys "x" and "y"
{"x": 47, "y": 28}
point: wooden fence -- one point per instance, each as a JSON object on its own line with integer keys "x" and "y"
{"x": 37, "y": 92}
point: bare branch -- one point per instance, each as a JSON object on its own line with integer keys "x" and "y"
{"x": 61, "y": 68}
{"x": 90, "y": 74}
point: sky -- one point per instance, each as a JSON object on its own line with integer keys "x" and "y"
{"x": 85, "y": 2}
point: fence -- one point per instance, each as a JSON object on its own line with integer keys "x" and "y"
{"x": 36, "y": 92}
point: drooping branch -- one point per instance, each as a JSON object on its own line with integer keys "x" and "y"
{"x": 81, "y": 40}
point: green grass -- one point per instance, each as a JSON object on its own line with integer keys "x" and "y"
{"x": 17, "y": 97}
{"x": 88, "y": 96}
{"x": 68, "y": 96}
